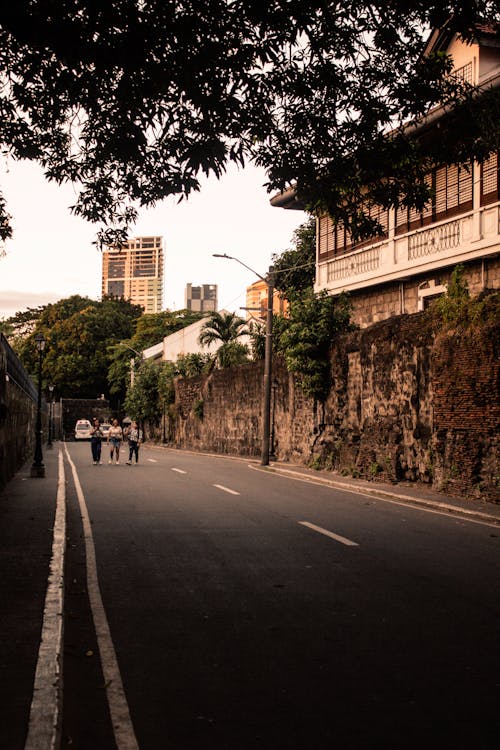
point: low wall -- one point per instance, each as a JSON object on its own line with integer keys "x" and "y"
{"x": 403, "y": 407}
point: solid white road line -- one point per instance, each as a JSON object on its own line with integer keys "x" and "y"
{"x": 337, "y": 537}
{"x": 120, "y": 715}
{"x": 179, "y": 471}
{"x": 45, "y": 712}
{"x": 226, "y": 489}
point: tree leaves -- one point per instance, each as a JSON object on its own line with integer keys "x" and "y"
{"x": 132, "y": 100}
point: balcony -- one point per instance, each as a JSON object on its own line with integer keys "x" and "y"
{"x": 473, "y": 235}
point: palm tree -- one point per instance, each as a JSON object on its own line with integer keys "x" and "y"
{"x": 226, "y": 328}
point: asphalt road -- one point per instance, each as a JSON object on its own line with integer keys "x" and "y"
{"x": 238, "y": 623}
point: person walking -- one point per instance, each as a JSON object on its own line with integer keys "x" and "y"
{"x": 96, "y": 440}
{"x": 115, "y": 437}
{"x": 134, "y": 435}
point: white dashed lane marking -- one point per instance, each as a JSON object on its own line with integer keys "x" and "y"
{"x": 226, "y": 489}
{"x": 179, "y": 471}
{"x": 325, "y": 532}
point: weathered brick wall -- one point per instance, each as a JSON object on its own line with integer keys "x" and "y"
{"x": 466, "y": 381}
{"x": 402, "y": 407}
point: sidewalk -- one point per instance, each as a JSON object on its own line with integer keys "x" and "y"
{"x": 27, "y": 509}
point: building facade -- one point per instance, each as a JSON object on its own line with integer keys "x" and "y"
{"x": 201, "y": 298}
{"x": 135, "y": 272}
{"x": 256, "y": 301}
{"x": 412, "y": 261}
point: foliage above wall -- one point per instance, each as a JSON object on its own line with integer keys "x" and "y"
{"x": 457, "y": 309}
{"x": 305, "y": 338}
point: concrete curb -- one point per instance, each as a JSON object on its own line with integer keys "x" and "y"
{"x": 384, "y": 494}
{"x": 470, "y": 513}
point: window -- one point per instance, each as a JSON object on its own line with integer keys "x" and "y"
{"x": 452, "y": 194}
{"x": 489, "y": 179}
{"x": 116, "y": 288}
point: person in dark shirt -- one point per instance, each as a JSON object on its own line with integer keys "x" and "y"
{"x": 95, "y": 441}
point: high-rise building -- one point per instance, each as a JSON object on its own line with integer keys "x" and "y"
{"x": 201, "y": 298}
{"x": 135, "y": 272}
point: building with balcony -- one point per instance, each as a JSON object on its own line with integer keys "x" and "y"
{"x": 401, "y": 270}
{"x": 135, "y": 272}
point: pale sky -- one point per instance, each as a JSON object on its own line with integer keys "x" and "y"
{"x": 51, "y": 255}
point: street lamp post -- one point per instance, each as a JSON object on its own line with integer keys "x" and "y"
{"x": 268, "y": 357}
{"x": 164, "y": 435}
{"x": 275, "y": 385}
{"x": 37, "y": 467}
{"x": 132, "y": 361}
{"x": 51, "y": 416}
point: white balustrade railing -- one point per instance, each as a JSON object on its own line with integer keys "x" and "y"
{"x": 354, "y": 265}
{"x": 432, "y": 241}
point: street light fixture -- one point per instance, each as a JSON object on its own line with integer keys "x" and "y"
{"x": 268, "y": 356}
{"x": 51, "y": 415}
{"x": 37, "y": 467}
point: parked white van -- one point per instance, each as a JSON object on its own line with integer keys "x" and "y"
{"x": 82, "y": 429}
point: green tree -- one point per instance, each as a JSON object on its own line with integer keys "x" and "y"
{"x": 131, "y": 101}
{"x": 150, "y": 329}
{"x": 226, "y": 329}
{"x": 150, "y": 385}
{"x": 192, "y": 364}
{"x": 79, "y": 333}
{"x": 294, "y": 269}
{"x": 304, "y": 338}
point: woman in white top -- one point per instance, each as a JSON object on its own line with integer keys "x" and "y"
{"x": 115, "y": 437}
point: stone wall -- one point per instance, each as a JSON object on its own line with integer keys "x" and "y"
{"x": 403, "y": 407}
{"x": 397, "y": 298}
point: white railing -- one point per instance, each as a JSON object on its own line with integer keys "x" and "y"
{"x": 354, "y": 265}
{"x": 432, "y": 241}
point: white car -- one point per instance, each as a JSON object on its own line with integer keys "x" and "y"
{"x": 105, "y": 429}
{"x": 82, "y": 429}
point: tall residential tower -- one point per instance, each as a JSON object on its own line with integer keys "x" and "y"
{"x": 135, "y": 272}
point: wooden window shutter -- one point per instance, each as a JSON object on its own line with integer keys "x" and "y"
{"x": 427, "y": 210}
{"x": 339, "y": 238}
{"x": 451, "y": 189}
{"x": 465, "y": 181}
{"x": 401, "y": 220}
{"x": 489, "y": 179}
{"x": 325, "y": 237}
{"x": 440, "y": 192}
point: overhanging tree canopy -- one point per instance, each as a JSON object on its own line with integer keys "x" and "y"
{"x": 133, "y": 99}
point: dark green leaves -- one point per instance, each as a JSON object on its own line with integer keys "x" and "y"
{"x": 133, "y": 100}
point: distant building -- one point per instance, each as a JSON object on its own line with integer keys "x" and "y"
{"x": 257, "y": 301}
{"x": 185, "y": 341}
{"x": 135, "y": 272}
{"x": 201, "y": 298}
